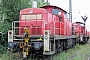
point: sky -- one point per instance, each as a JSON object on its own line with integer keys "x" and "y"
{"x": 79, "y": 8}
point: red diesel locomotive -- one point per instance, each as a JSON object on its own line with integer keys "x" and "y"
{"x": 44, "y": 30}
{"x": 80, "y": 30}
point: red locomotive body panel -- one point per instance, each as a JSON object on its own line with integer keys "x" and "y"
{"x": 60, "y": 18}
{"x": 79, "y": 28}
{"x": 52, "y": 17}
{"x": 34, "y": 19}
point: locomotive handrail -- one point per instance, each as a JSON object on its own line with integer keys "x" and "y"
{"x": 29, "y": 27}
{"x": 25, "y": 21}
{"x": 14, "y": 26}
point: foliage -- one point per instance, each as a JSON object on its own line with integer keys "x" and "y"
{"x": 41, "y": 3}
{"x": 4, "y": 27}
{"x": 6, "y": 56}
{"x": 9, "y": 11}
{"x": 11, "y": 8}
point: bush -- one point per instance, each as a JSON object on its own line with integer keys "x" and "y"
{"x": 4, "y": 27}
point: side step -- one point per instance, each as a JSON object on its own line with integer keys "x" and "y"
{"x": 49, "y": 53}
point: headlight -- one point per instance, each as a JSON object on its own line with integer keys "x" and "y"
{"x": 37, "y": 45}
{"x": 10, "y": 45}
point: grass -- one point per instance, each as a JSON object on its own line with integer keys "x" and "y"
{"x": 80, "y": 52}
{"x": 65, "y": 54}
{"x": 6, "y": 56}
{"x": 9, "y": 56}
{"x": 84, "y": 54}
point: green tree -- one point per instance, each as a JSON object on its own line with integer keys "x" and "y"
{"x": 41, "y": 3}
{"x": 10, "y": 12}
{"x": 11, "y": 8}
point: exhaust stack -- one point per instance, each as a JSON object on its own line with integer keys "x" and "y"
{"x": 34, "y": 4}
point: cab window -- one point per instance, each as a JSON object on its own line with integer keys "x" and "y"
{"x": 60, "y": 18}
{"x": 56, "y": 11}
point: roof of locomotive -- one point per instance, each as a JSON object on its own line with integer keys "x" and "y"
{"x": 52, "y": 6}
{"x": 31, "y": 10}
